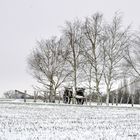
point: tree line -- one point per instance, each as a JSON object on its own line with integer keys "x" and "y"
{"x": 90, "y": 52}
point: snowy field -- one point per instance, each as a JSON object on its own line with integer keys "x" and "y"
{"x": 58, "y": 122}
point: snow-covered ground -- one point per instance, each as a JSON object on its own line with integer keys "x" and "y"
{"x": 19, "y": 121}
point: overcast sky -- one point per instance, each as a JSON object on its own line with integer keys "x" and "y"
{"x": 22, "y": 22}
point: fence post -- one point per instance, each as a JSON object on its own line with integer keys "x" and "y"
{"x": 139, "y": 98}
{"x": 44, "y": 96}
{"x": 117, "y": 98}
{"x": 34, "y": 96}
{"x": 25, "y": 92}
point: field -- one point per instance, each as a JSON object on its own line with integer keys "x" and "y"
{"x": 53, "y": 122}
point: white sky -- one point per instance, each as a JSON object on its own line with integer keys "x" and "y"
{"x": 22, "y": 22}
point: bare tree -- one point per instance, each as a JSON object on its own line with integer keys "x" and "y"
{"x": 48, "y": 65}
{"x": 10, "y": 94}
{"x": 72, "y": 35}
{"x": 92, "y": 49}
{"x": 132, "y": 65}
{"x": 117, "y": 41}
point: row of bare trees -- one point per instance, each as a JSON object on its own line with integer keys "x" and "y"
{"x": 91, "y": 52}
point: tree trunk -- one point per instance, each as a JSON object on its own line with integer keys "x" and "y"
{"x": 98, "y": 99}
{"x": 54, "y": 95}
{"x": 113, "y": 99}
{"x": 132, "y": 98}
{"x": 97, "y": 92}
{"x": 75, "y": 83}
{"x": 107, "y": 96}
{"x": 121, "y": 99}
{"x": 74, "y": 94}
{"x": 116, "y": 99}
{"x": 90, "y": 99}
{"x": 59, "y": 98}
{"x": 128, "y": 98}
{"x": 52, "y": 92}
{"x": 101, "y": 100}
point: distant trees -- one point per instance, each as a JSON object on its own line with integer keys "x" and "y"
{"x": 16, "y": 94}
{"x": 10, "y": 94}
{"x": 89, "y": 51}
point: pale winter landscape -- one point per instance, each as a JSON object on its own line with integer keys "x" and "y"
{"x": 69, "y": 70}
{"x": 52, "y": 121}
